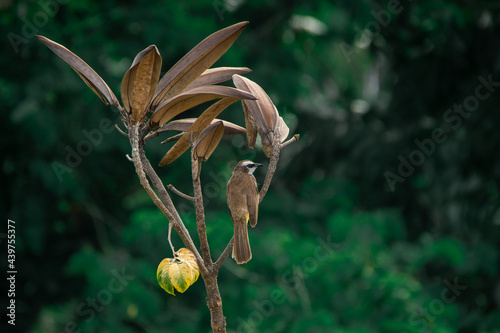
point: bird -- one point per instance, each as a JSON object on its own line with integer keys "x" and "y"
{"x": 243, "y": 201}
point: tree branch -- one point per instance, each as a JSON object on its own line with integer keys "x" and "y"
{"x": 200, "y": 211}
{"x": 120, "y": 130}
{"x": 142, "y": 164}
{"x": 224, "y": 255}
{"x": 292, "y": 140}
{"x": 171, "y": 188}
{"x": 275, "y": 156}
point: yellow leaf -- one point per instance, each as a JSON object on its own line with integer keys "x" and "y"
{"x": 178, "y": 273}
{"x": 189, "y": 258}
{"x": 163, "y": 277}
{"x": 179, "y": 277}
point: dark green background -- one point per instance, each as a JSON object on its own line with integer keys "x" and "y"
{"x": 359, "y": 102}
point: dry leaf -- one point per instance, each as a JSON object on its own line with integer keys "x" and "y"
{"x": 267, "y": 139}
{"x": 183, "y": 125}
{"x": 191, "y": 98}
{"x": 262, "y": 109}
{"x": 193, "y": 64}
{"x": 196, "y": 128}
{"x": 209, "y": 140}
{"x": 140, "y": 81}
{"x": 261, "y": 116}
{"x": 251, "y": 126}
{"x": 88, "y": 75}
{"x": 283, "y": 129}
{"x": 217, "y": 75}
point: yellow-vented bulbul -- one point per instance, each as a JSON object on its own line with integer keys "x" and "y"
{"x": 243, "y": 202}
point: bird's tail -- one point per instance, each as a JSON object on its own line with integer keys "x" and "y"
{"x": 241, "y": 247}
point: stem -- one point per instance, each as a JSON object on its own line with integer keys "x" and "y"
{"x": 214, "y": 303}
{"x": 224, "y": 255}
{"x": 200, "y": 210}
{"x": 179, "y": 193}
{"x": 275, "y": 156}
{"x": 170, "y": 239}
{"x": 292, "y": 140}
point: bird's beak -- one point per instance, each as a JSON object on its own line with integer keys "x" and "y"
{"x": 258, "y": 164}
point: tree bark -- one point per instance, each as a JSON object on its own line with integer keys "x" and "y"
{"x": 214, "y": 303}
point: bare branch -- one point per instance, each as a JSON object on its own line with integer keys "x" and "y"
{"x": 142, "y": 165}
{"x": 273, "y": 162}
{"x": 224, "y": 255}
{"x": 292, "y": 140}
{"x": 200, "y": 211}
{"x": 120, "y": 130}
{"x": 171, "y": 188}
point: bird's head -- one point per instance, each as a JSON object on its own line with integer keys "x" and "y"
{"x": 246, "y": 166}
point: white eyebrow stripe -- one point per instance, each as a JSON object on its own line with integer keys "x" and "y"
{"x": 247, "y": 163}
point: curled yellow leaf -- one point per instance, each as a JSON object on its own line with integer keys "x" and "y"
{"x": 178, "y": 273}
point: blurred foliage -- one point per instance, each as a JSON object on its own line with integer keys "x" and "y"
{"x": 335, "y": 249}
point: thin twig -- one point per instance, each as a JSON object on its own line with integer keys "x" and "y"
{"x": 224, "y": 255}
{"x": 169, "y": 238}
{"x": 171, "y": 188}
{"x": 292, "y": 140}
{"x": 120, "y": 130}
{"x": 200, "y": 211}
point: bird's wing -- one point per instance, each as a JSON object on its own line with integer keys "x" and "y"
{"x": 231, "y": 215}
{"x": 253, "y": 207}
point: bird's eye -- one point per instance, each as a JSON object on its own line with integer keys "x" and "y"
{"x": 251, "y": 165}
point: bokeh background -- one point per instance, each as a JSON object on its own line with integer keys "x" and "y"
{"x": 384, "y": 217}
